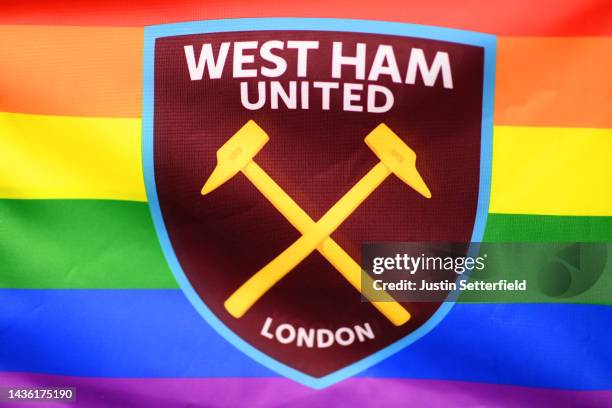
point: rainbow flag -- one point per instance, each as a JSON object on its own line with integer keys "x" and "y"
{"x": 88, "y": 301}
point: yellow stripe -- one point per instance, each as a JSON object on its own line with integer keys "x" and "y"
{"x": 553, "y": 171}
{"x": 70, "y": 157}
{"x": 536, "y": 170}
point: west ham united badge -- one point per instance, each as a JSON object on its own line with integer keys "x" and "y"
{"x": 274, "y": 147}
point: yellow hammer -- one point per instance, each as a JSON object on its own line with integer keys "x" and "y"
{"x": 236, "y": 155}
{"x": 395, "y": 157}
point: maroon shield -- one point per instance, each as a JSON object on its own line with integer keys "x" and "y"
{"x": 316, "y": 152}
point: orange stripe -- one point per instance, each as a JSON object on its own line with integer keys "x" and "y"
{"x": 554, "y": 82}
{"x": 96, "y": 71}
{"x": 78, "y": 71}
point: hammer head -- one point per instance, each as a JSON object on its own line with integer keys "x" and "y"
{"x": 235, "y": 154}
{"x": 397, "y": 156}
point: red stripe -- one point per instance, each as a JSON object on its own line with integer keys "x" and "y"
{"x": 508, "y": 17}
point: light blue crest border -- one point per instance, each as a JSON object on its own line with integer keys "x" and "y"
{"x": 487, "y": 41}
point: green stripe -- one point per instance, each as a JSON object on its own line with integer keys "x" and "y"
{"x": 547, "y": 228}
{"x": 112, "y": 244}
{"x": 553, "y": 272}
{"x": 80, "y": 244}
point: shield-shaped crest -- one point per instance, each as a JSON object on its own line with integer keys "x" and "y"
{"x": 273, "y": 148}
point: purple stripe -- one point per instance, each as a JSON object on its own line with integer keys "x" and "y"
{"x": 274, "y": 392}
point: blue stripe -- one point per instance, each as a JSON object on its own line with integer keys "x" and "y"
{"x": 157, "y": 333}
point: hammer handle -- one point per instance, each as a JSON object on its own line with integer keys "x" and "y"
{"x": 262, "y": 281}
{"x": 333, "y": 252}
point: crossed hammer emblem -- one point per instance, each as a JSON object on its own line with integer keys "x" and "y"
{"x": 236, "y": 155}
